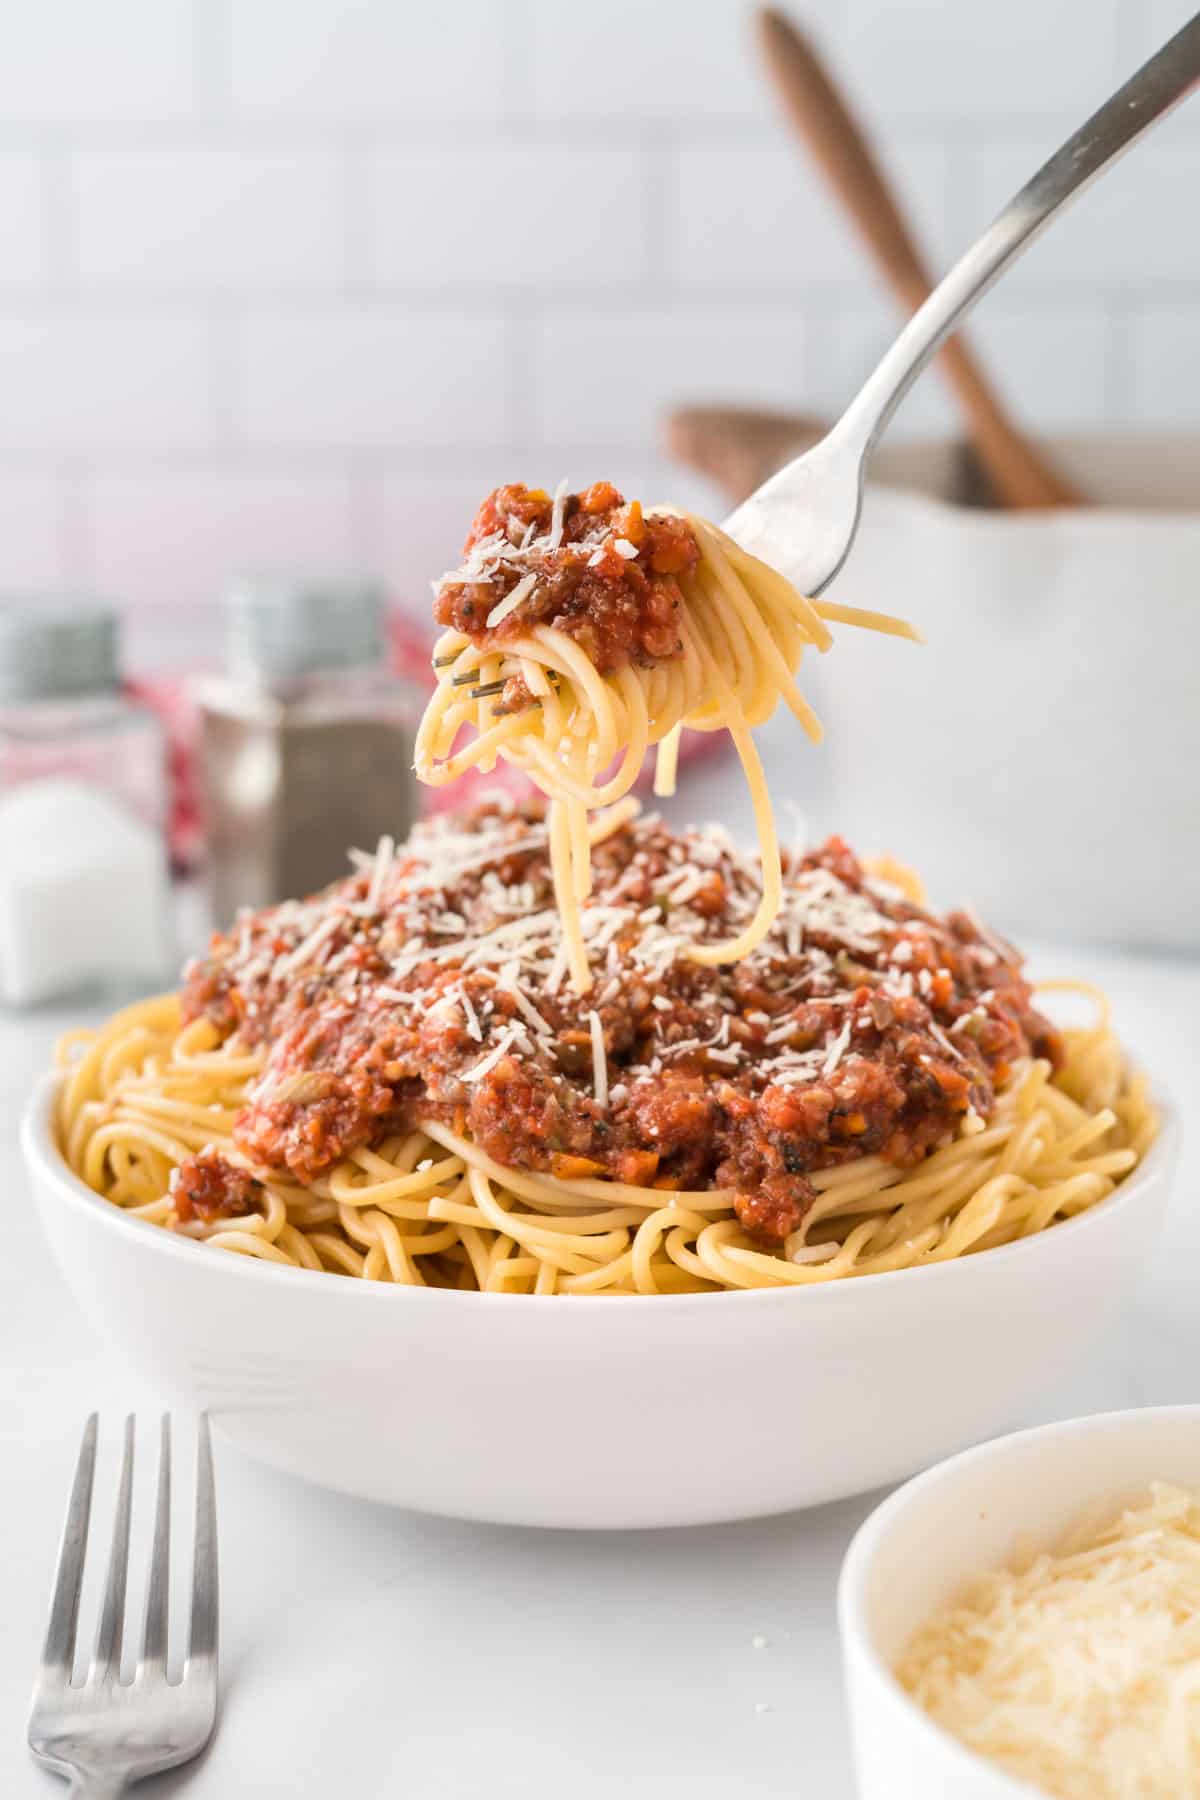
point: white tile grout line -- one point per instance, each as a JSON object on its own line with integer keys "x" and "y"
{"x": 210, "y": 62}
{"x": 76, "y": 547}
{"x": 226, "y": 356}
{"x": 356, "y": 184}
{"x": 59, "y": 219}
{"x": 366, "y": 522}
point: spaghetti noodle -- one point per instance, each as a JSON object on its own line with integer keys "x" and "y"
{"x": 391, "y": 1082}
{"x": 585, "y": 633}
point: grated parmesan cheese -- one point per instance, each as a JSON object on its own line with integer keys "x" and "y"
{"x": 556, "y": 515}
{"x": 797, "y": 1251}
{"x": 379, "y": 869}
{"x": 472, "y": 1017}
{"x": 953, "y": 1050}
{"x": 307, "y": 948}
{"x": 511, "y": 601}
{"x": 510, "y": 982}
{"x": 493, "y": 1056}
{"x": 599, "y": 1059}
{"x": 836, "y": 1050}
{"x": 1080, "y": 1673}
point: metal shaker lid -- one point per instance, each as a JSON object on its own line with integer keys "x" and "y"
{"x": 56, "y": 647}
{"x": 280, "y": 628}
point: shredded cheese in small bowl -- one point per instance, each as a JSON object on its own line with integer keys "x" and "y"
{"x": 1079, "y": 1672}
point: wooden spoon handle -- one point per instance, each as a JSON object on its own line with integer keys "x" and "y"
{"x": 1019, "y": 474}
{"x": 739, "y": 447}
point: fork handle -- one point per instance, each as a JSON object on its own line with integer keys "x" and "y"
{"x": 1016, "y": 469}
{"x": 1160, "y": 84}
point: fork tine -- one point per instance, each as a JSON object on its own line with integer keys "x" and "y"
{"x": 202, "y": 1645}
{"x": 154, "y": 1644}
{"x": 491, "y": 687}
{"x": 58, "y": 1652}
{"x": 106, "y": 1661}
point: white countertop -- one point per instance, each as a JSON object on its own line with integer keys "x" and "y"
{"x": 368, "y": 1652}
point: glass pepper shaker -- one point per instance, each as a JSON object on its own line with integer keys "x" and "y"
{"x": 306, "y": 741}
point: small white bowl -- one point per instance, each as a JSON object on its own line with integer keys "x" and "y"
{"x": 970, "y": 1515}
{"x": 593, "y": 1412}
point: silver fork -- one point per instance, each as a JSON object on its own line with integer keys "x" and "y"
{"x": 103, "y": 1733}
{"x": 804, "y": 519}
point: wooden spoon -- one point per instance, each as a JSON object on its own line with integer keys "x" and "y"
{"x": 1019, "y": 474}
{"x": 739, "y": 447}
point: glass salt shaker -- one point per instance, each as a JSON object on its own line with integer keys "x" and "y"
{"x": 84, "y": 899}
{"x": 306, "y": 741}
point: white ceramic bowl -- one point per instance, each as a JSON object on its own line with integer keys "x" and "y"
{"x": 971, "y": 1514}
{"x": 597, "y": 1412}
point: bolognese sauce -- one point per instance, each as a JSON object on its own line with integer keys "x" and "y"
{"x": 592, "y": 565}
{"x": 431, "y": 986}
{"x": 208, "y": 1187}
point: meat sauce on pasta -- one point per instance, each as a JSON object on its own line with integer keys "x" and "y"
{"x": 433, "y": 989}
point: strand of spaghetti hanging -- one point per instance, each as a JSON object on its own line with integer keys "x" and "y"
{"x": 583, "y": 630}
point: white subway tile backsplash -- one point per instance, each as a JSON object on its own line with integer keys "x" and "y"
{"x": 24, "y": 226}
{"x": 421, "y": 520}
{"x": 749, "y": 216}
{"x": 1145, "y": 27}
{"x": 201, "y": 217}
{"x": 666, "y": 61}
{"x": 164, "y": 641}
{"x": 310, "y": 276}
{"x": 657, "y": 479}
{"x": 851, "y": 329}
{"x": 32, "y": 542}
{"x": 368, "y": 379}
{"x": 127, "y": 380}
{"x": 67, "y": 62}
{"x": 509, "y": 215}
{"x": 976, "y": 62}
{"x": 607, "y": 380}
{"x": 352, "y": 61}
{"x": 627, "y": 59}
{"x": 174, "y": 541}
{"x": 1050, "y": 363}
{"x": 1165, "y": 365}
{"x": 1134, "y": 226}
